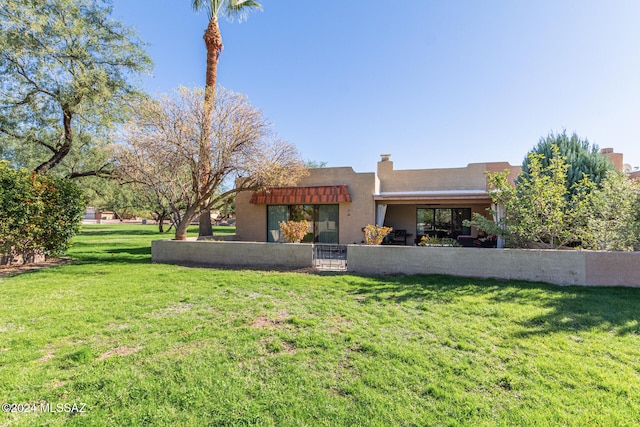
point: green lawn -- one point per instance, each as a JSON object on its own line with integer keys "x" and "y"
{"x": 144, "y": 344}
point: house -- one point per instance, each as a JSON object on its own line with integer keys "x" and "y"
{"x": 94, "y": 215}
{"x": 339, "y": 202}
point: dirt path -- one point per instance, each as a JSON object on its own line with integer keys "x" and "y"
{"x": 23, "y": 268}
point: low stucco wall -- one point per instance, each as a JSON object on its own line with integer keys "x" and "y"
{"x": 558, "y": 267}
{"x": 240, "y": 254}
{"x": 612, "y": 268}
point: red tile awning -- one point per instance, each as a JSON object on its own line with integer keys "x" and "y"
{"x": 302, "y": 195}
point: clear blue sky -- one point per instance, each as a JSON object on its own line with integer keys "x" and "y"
{"x": 436, "y": 83}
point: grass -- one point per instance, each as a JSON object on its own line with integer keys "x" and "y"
{"x": 146, "y": 344}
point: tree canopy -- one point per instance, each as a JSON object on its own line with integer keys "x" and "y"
{"x": 581, "y": 157}
{"x": 162, "y": 146}
{"x": 540, "y": 211}
{"x": 66, "y": 71}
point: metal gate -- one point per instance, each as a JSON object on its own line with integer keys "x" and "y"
{"x": 330, "y": 257}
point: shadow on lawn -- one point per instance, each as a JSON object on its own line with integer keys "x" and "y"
{"x": 571, "y": 308}
{"x": 123, "y": 255}
{"x": 152, "y": 231}
{"x": 578, "y": 308}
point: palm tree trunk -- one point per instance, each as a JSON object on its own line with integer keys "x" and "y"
{"x": 213, "y": 42}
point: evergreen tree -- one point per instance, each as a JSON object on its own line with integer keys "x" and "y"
{"x": 582, "y": 158}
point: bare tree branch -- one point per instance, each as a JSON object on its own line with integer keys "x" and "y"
{"x": 161, "y": 149}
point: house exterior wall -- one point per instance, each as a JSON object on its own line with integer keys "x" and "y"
{"x": 471, "y": 177}
{"x": 404, "y": 191}
{"x": 251, "y": 219}
{"x": 615, "y": 158}
{"x": 402, "y": 217}
{"x": 356, "y": 215}
{"x": 369, "y": 189}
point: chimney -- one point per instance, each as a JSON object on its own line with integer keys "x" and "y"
{"x": 615, "y": 158}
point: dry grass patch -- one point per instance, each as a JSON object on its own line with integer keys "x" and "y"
{"x": 46, "y": 357}
{"x": 117, "y": 326}
{"x": 119, "y": 351}
{"x": 173, "y": 310}
{"x": 264, "y": 322}
{"x": 184, "y": 350}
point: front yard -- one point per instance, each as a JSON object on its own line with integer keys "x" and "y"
{"x": 145, "y": 344}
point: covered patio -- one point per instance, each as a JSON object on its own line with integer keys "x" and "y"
{"x": 441, "y": 214}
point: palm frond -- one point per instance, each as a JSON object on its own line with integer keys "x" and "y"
{"x": 239, "y": 9}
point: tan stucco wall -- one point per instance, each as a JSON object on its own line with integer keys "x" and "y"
{"x": 586, "y": 268}
{"x": 251, "y": 219}
{"x": 615, "y": 158}
{"x": 533, "y": 265}
{"x": 472, "y": 177}
{"x": 401, "y": 217}
{"x": 514, "y": 171}
{"x": 235, "y": 254}
{"x": 612, "y": 268}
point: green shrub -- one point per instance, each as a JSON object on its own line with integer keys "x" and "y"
{"x": 436, "y": 241}
{"x": 39, "y": 214}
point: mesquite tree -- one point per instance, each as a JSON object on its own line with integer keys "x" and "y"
{"x": 162, "y": 146}
{"x": 65, "y": 77}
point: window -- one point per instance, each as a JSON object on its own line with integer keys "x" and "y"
{"x": 275, "y": 214}
{"x": 442, "y": 222}
{"x": 322, "y": 219}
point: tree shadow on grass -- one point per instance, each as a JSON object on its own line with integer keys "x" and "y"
{"x": 578, "y": 309}
{"x": 129, "y": 232}
{"x": 127, "y": 255}
{"x": 570, "y": 308}
{"x": 423, "y": 288}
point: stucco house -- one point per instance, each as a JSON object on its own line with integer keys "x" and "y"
{"x": 339, "y": 202}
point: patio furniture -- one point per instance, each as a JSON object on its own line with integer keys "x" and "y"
{"x": 399, "y": 237}
{"x": 466, "y": 241}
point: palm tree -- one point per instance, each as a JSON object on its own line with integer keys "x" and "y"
{"x": 237, "y": 9}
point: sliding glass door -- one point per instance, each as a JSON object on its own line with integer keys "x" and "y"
{"x": 326, "y": 230}
{"x": 437, "y": 222}
{"x": 323, "y": 221}
{"x": 275, "y": 214}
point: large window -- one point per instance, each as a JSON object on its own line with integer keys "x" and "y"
{"x": 442, "y": 222}
{"x": 322, "y": 219}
